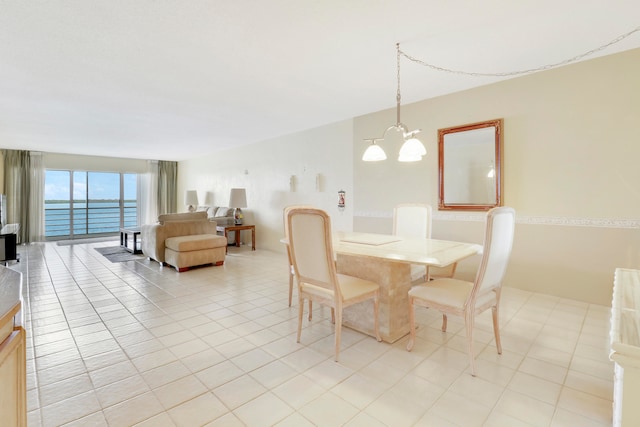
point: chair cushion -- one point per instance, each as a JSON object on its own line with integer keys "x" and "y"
{"x": 353, "y": 287}
{"x": 449, "y": 292}
{"x": 195, "y": 243}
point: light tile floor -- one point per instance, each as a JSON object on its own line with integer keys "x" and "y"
{"x": 131, "y": 343}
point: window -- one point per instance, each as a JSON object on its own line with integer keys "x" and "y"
{"x": 85, "y": 203}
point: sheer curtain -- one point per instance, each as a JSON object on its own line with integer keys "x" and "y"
{"x": 148, "y": 194}
{"x": 167, "y": 187}
{"x": 36, "y": 197}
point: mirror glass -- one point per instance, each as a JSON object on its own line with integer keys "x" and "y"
{"x": 470, "y": 166}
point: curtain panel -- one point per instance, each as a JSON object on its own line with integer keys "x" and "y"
{"x": 24, "y": 188}
{"x": 167, "y": 187}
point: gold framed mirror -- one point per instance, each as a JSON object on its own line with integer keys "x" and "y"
{"x": 470, "y": 166}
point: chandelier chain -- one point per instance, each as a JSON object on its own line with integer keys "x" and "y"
{"x": 509, "y": 73}
{"x": 398, "y": 92}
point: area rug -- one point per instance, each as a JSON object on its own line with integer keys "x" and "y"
{"x": 118, "y": 254}
{"x": 89, "y": 240}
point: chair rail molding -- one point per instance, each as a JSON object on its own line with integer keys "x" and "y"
{"x": 520, "y": 219}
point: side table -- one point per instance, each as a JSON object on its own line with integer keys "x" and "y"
{"x": 237, "y": 228}
{"x": 132, "y": 233}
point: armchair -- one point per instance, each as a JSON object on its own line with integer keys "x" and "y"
{"x": 183, "y": 240}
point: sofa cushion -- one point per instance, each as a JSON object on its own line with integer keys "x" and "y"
{"x": 195, "y": 242}
{"x": 183, "y": 260}
{"x": 186, "y": 216}
{"x": 222, "y": 212}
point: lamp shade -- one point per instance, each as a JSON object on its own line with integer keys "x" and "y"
{"x": 238, "y": 198}
{"x": 191, "y": 198}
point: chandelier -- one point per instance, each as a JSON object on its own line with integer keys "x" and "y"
{"x": 412, "y": 149}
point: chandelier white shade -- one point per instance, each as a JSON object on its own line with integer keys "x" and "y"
{"x": 374, "y": 152}
{"x": 411, "y": 151}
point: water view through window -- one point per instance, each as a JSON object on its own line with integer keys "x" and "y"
{"x": 86, "y": 204}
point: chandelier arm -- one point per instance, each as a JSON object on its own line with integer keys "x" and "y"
{"x": 518, "y": 72}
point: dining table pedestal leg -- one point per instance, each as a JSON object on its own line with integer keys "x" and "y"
{"x": 394, "y": 279}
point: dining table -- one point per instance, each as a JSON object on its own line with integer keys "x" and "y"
{"x": 386, "y": 260}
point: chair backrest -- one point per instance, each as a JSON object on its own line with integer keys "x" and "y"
{"x": 284, "y": 215}
{"x": 412, "y": 220}
{"x": 309, "y": 234}
{"x": 498, "y": 241}
{"x": 286, "y": 229}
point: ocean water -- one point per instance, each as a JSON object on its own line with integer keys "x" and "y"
{"x": 94, "y": 218}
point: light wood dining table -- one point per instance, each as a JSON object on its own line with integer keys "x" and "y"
{"x": 386, "y": 260}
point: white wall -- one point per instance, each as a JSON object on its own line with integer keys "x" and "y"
{"x": 265, "y": 170}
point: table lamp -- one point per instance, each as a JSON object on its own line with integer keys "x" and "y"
{"x": 191, "y": 200}
{"x": 238, "y": 200}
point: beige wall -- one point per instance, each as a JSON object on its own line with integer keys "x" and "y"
{"x": 1, "y": 173}
{"x": 93, "y": 163}
{"x": 571, "y": 146}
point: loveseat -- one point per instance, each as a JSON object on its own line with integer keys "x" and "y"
{"x": 183, "y": 240}
{"x": 220, "y": 214}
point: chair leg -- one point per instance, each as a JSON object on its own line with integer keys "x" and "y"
{"x": 468, "y": 322}
{"x": 300, "y": 310}
{"x": 376, "y": 312}
{"x": 338, "y": 332}
{"x": 290, "y": 288}
{"x": 412, "y": 325}
{"x": 496, "y": 328}
{"x": 333, "y": 316}
{"x": 444, "y": 322}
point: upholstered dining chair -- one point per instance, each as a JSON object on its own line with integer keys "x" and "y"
{"x": 414, "y": 220}
{"x": 467, "y": 299}
{"x": 309, "y": 232}
{"x": 292, "y": 272}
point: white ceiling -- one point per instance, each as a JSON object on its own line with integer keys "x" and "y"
{"x": 175, "y": 79}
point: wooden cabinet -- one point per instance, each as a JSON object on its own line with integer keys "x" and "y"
{"x": 13, "y": 395}
{"x": 625, "y": 347}
{"x": 13, "y": 370}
